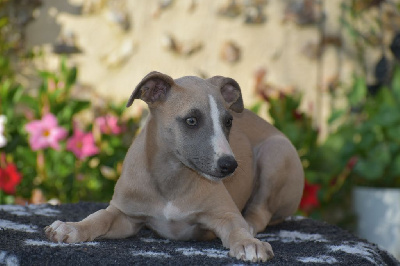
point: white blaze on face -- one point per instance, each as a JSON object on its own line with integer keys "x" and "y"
{"x": 219, "y": 141}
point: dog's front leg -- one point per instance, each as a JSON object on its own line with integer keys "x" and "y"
{"x": 105, "y": 223}
{"x": 235, "y": 234}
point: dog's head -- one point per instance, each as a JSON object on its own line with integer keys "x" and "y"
{"x": 193, "y": 119}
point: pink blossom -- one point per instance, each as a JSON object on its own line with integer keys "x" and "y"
{"x": 82, "y": 144}
{"x": 52, "y": 85}
{"x": 108, "y": 124}
{"x": 45, "y": 133}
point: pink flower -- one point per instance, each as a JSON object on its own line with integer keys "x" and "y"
{"x": 52, "y": 85}
{"x": 45, "y": 133}
{"x": 82, "y": 144}
{"x": 108, "y": 124}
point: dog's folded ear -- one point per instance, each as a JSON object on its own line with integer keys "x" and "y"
{"x": 230, "y": 91}
{"x": 153, "y": 88}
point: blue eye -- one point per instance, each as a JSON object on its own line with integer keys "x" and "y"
{"x": 191, "y": 121}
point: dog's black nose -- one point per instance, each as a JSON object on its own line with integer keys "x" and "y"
{"x": 227, "y": 165}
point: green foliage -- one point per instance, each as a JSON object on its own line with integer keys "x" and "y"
{"x": 59, "y": 173}
{"x": 358, "y": 92}
{"x": 371, "y": 135}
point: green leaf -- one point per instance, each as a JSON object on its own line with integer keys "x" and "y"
{"x": 291, "y": 131}
{"x": 256, "y": 107}
{"x": 369, "y": 169}
{"x": 55, "y": 95}
{"x": 3, "y": 21}
{"x": 367, "y": 140}
{"x": 63, "y": 66}
{"x": 18, "y": 94}
{"x": 387, "y": 116}
{"x": 380, "y": 154}
{"x": 115, "y": 141}
{"x": 71, "y": 76}
{"x": 385, "y": 96}
{"x": 372, "y": 168}
{"x": 45, "y": 75}
{"x": 336, "y": 114}
{"x": 43, "y": 89}
{"x": 65, "y": 115}
{"x": 358, "y": 91}
{"x": 31, "y": 102}
{"x": 393, "y": 133}
{"x": 79, "y": 105}
{"x": 5, "y": 88}
{"x": 396, "y": 83}
{"x": 312, "y": 176}
{"x": 293, "y": 101}
{"x": 395, "y": 167}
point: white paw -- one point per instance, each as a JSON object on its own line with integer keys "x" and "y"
{"x": 252, "y": 250}
{"x": 63, "y": 232}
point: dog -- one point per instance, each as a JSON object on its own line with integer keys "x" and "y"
{"x": 201, "y": 167}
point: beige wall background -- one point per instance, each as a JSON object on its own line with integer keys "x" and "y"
{"x": 113, "y": 59}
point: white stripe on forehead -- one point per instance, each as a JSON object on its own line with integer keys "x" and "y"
{"x": 219, "y": 141}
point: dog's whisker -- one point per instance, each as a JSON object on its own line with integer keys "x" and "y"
{"x": 240, "y": 168}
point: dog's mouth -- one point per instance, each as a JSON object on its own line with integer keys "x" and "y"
{"x": 211, "y": 175}
{"x": 215, "y": 178}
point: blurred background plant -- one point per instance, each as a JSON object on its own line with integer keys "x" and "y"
{"x": 54, "y": 145}
{"x": 368, "y": 136}
{"x": 63, "y": 147}
{"x": 365, "y": 134}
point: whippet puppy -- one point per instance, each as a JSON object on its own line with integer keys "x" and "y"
{"x": 201, "y": 167}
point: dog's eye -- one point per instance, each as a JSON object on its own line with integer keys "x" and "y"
{"x": 191, "y": 121}
{"x": 228, "y": 122}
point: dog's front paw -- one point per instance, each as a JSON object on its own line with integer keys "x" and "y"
{"x": 252, "y": 250}
{"x": 63, "y": 232}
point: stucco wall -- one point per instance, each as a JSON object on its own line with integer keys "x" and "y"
{"x": 278, "y": 46}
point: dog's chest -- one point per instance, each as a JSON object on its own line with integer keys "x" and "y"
{"x": 173, "y": 222}
{"x": 172, "y": 212}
